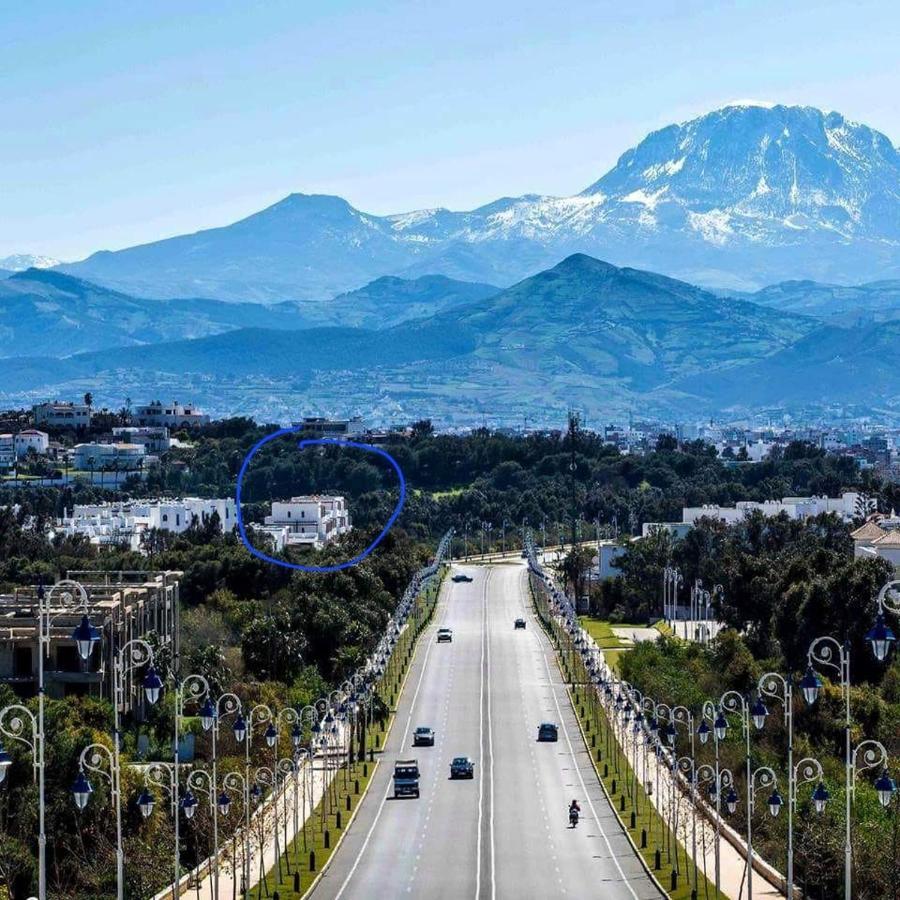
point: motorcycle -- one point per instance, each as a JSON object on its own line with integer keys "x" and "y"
{"x": 573, "y": 817}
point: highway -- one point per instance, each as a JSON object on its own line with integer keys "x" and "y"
{"x": 505, "y": 833}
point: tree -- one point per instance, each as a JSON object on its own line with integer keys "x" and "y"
{"x": 88, "y": 399}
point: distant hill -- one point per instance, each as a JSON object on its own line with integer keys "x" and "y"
{"x": 738, "y": 198}
{"x": 19, "y": 262}
{"x": 828, "y": 366}
{"x": 837, "y": 304}
{"x": 583, "y": 333}
{"x": 5, "y": 273}
{"x": 51, "y": 313}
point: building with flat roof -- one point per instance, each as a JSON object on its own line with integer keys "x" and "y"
{"x": 310, "y": 521}
{"x": 127, "y": 523}
{"x": 845, "y": 507}
{"x": 62, "y": 415}
{"x": 171, "y": 415}
{"x": 122, "y": 605}
{"x": 95, "y": 457}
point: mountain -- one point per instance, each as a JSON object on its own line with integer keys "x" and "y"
{"x": 5, "y": 273}
{"x": 584, "y": 333}
{"x": 55, "y": 314}
{"x": 19, "y": 262}
{"x": 739, "y": 198}
{"x": 390, "y": 300}
{"x": 838, "y": 304}
{"x": 828, "y": 367}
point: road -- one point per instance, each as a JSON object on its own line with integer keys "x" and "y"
{"x": 505, "y": 833}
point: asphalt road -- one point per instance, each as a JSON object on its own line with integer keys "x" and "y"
{"x": 504, "y": 834}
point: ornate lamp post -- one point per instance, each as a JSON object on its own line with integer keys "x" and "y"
{"x": 67, "y": 597}
{"x": 259, "y": 713}
{"x": 720, "y": 779}
{"x": 162, "y": 775}
{"x": 880, "y": 636}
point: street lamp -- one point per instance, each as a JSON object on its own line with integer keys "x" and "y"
{"x": 827, "y": 651}
{"x": 133, "y": 655}
{"x": 68, "y": 597}
{"x": 880, "y": 636}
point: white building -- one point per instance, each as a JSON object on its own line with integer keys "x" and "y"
{"x": 171, "y": 415}
{"x": 127, "y": 522}
{"x": 879, "y": 537}
{"x": 62, "y": 415}
{"x": 95, "y": 457}
{"x": 602, "y": 566}
{"x": 310, "y": 521}
{"x": 153, "y": 438}
{"x": 676, "y": 529}
{"x": 32, "y": 439}
{"x": 322, "y": 427}
{"x": 801, "y": 508}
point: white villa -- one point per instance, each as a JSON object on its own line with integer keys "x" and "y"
{"x": 95, "y": 457}
{"x": 879, "y": 537}
{"x": 309, "y": 521}
{"x": 127, "y": 522}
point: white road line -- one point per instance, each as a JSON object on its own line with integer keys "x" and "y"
{"x": 587, "y": 797}
{"x": 412, "y": 707}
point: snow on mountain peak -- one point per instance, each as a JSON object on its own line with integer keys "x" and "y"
{"x": 19, "y": 262}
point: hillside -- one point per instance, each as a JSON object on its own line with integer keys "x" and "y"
{"x": 834, "y": 303}
{"x": 584, "y": 332}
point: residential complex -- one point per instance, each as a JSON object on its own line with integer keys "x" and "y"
{"x": 122, "y": 605}
{"x": 128, "y": 523}
{"x": 309, "y": 521}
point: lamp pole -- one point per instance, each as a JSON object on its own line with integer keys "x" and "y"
{"x": 162, "y": 775}
{"x": 259, "y": 713}
{"x": 210, "y": 717}
{"x": 828, "y": 651}
{"x": 235, "y": 781}
{"x": 732, "y": 701}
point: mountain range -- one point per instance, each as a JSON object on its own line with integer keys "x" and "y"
{"x": 584, "y": 334}
{"x": 739, "y": 198}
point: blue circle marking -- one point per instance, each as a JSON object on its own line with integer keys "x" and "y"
{"x": 317, "y": 442}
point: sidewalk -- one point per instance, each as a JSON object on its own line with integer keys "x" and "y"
{"x": 278, "y": 808}
{"x": 669, "y": 798}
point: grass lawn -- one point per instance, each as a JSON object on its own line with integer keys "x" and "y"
{"x": 601, "y": 631}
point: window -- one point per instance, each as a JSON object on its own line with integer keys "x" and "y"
{"x": 165, "y": 517}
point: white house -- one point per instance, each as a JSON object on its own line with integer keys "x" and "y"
{"x": 311, "y": 521}
{"x": 96, "y": 457}
{"x": 62, "y": 415}
{"x": 32, "y": 439}
{"x": 154, "y": 438}
{"x": 171, "y": 415}
{"x": 846, "y": 507}
{"x": 880, "y": 537}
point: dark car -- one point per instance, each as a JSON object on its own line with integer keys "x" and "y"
{"x": 460, "y": 576}
{"x": 423, "y": 737}
{"x": 548, "y": 732}
{"x": 445, "y": 635}
{"x": 462, "y": 767}
{"x": 520, "y": 623}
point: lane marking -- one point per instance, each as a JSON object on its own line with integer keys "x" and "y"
{"x": 409, "y": 719}
{"x": 565, "y": 731}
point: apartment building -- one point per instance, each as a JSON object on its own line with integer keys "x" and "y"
{"x": 122, "y": 605}
{"x": 95, "y": 457}
{"x": 127, "y": 523}
{"x": 154, "y": 439}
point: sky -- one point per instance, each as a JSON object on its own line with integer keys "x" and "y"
{"x": 126, "y": 122}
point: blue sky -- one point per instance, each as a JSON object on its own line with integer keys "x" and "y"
{"x": 127, "y": 122}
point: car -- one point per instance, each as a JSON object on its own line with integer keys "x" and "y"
{"x": 524, "y": 554}
{"x": 406, "y": 778}
{"x": 444, "y": 635}
{"x": 462, "y": 767}
{"x": 423, "y": 736}
{"x": 461, "y": 576}
{"x": 520, "y": 623}
{"x": 548, "y": 732}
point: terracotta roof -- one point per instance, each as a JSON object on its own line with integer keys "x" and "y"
{"x": 890, "y": 539}
{"x": 868, "y": 532}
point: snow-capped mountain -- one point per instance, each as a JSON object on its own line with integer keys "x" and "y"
{"x": 742, "y": 197}
{"x": 19, "y": 262}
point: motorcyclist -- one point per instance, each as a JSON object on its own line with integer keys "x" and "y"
{"x": 574, "y": 811}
